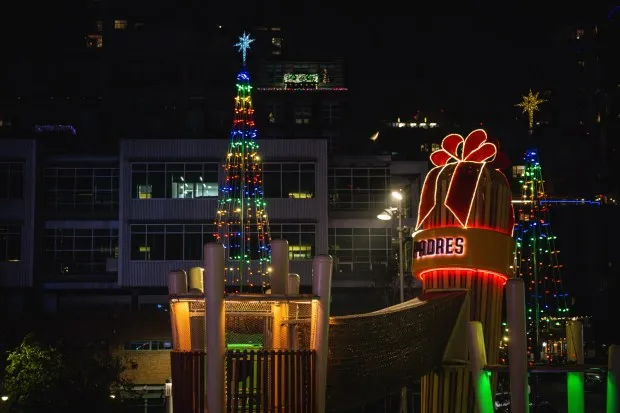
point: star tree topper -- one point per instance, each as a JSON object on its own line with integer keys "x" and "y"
{"x": 530, "y": 105}
{"x": 244, "y": 45}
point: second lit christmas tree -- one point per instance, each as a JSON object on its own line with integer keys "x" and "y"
{"x": 537, "y": 261}
{"x": 243, "y": 225}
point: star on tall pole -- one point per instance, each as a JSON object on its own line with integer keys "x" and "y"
{"x": 530, "y": 105}
{"x": 244, "y": 45}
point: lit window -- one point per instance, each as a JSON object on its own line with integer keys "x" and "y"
{"x": 120, "y": 24}
{"x": 148, "y": 345}
{"x": 424, "y": 147}
{"x": 303, "y": 114}
{"x": 145, "y": 191}
{"x": 300, "y": 237}
{"x": 518, "y": 171}
{"x": 276, "y": 42}
{"x": 435, "y": 147}
{"x": 94, "y": 40}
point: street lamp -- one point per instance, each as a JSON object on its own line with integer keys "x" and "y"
{"x": 387, "y": 215}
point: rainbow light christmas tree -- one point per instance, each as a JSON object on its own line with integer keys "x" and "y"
{"x": 536, "y": 254}
{"x": 243, "y": 225}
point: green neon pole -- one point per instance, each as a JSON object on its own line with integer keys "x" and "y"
{"x": 613, "y": 371}
{"x": 575, "y": 391}
{"x": 485, "y": 396}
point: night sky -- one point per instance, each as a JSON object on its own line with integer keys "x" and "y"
{"x": 472, "y": 60}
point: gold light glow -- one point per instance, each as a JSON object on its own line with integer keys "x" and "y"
{"x": 529, "y": 104}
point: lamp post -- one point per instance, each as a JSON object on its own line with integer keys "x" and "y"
{"x": 387, "y": 215}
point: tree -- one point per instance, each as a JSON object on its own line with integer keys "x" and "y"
{"x": 537, "y": 260}
{"x": 33, "y": 372}
{"x": 243, "y": 226}
{"x": 61, "y": 375}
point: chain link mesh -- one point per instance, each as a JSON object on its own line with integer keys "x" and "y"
{"x": 265, "y": 325}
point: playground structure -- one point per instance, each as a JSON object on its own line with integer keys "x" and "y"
{"x": 282, "y": 352}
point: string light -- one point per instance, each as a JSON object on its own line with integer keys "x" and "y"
{"x": 536, "y": 257}
{"x": 302, "y": 89}
{"x": 242, "y": 220}
{"x": 530, "y": 105}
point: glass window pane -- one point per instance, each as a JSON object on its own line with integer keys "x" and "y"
{"x": 174, "y": 247}
{"x": 271, "y": 184}
{"x": 193, "y": 246}
{"x": 155, "y": 243}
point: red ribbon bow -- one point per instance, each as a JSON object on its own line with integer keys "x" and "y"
{"x": 469, "y": 156}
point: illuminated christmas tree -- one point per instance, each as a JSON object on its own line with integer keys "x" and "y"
{"x": 537, "y": 261}
{"x": 243, "y": 225}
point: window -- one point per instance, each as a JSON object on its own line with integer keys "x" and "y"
{"x": 303, "y": 114}
{"x": 80, "y": 189}
{"x": 94, "y": 41}
{"x": 579, "y": 33}
{"x": 360, "y": 248}
{"x": 276, "y": 43}
{"x": 274, "y": 73}
{"x": 11, "y": 180}
{"x": 331, "y": 113}
{"x": 159, "y": 242}
{"x": 435, "y": 147}
{"x": 70, "y": 251}
{"x": 289, "y": 179}
{"x": 120, "y": 24}
{"x": 424, "y": 147}
{"x": 518, "y": 171}
{"x": 300, "y": 239}
{"x": 10, "y": 242}
{"x": 174, "y": 180}
{"x": 274, "y": 111}
{"x": 363, "y": 189}
{"x": 99, "y": 25}
{"x": 143, "y": 345}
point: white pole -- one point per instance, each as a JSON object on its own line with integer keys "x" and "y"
{"x": 214, "y": 274}
{"x": 575, "y": 386}
{"x": 401, "y": 266}
{"x": 321, "y": 287}
{"x": 279, "y": 266}
{"x": 400, "y": 253}
{"x": 517, "y": 346}
{"x": 478, "y": 361}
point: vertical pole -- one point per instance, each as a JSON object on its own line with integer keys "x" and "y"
{"x": 574, "y": 379}
{"x": 517, "y": 346}
{"x": 279, "y": 266}
{"x": 478, "y": 360}
{"x": 168, "y": 396}
{"x": 401, "y": 260}
{"x": 214, "y": 275}
{"x": 613, "y": 376}
{"x": 321, "y": 287}
{"x": 401, "y": 267}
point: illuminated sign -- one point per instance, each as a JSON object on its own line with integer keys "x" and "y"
{"x": 439, "y": 246}
{"x": 301, "y": 78}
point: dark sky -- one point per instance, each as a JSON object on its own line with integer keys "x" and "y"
{"x": 474, "y": 59}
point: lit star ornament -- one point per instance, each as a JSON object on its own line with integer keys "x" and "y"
{"x": 530, "y": 105}
{"x": 244, "y": 45}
